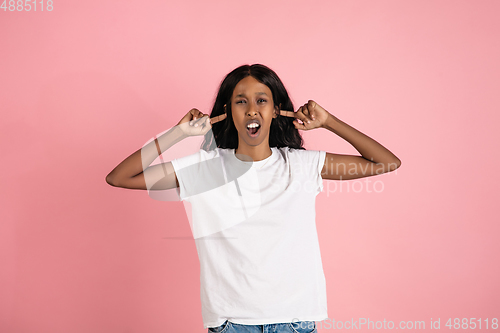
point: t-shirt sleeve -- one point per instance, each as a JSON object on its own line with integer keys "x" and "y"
{"x": 313, "y": 162}
{"x": 196, "y": 173}
{"x": 182, "y": 163}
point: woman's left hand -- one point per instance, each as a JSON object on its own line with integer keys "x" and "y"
{"x": 312, "y": 116}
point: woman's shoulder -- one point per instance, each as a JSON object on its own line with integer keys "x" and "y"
{"x": 290, "y": 154}
{"x": 198, "y": 156}
{"x": 220, "y": 151}
{"x": 299, "y": 151}
{"x": 292, "y": 151}
{"x": 302, "y": 155}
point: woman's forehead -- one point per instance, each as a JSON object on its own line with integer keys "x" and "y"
{"x": 251, "y": 86}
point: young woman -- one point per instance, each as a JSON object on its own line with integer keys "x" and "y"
{"x": 252, "y": 187}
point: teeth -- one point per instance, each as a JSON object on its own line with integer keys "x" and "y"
{"x": 253, "y": 125}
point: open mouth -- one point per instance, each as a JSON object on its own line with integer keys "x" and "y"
{"x": 253, "y": 129}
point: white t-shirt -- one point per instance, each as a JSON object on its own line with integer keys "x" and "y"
{"x": 255, "y": 232}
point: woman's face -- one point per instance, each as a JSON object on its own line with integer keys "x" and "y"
{"x": 252, "y": 109}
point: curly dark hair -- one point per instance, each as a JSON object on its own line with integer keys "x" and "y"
{"x": 282, "y": 132}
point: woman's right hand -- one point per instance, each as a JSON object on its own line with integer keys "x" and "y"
{"x": 195, "y": 123}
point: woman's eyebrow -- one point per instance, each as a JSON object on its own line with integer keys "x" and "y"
{"x": 257, "y": 93}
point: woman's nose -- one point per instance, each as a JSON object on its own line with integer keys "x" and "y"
{"x": 252, "y": 110}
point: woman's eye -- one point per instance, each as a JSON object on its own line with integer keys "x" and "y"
{"x": 240, "y": 102}
{"x": 262, "y": 100}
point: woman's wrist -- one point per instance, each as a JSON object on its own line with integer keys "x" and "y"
{"x": 331, "y": 123}
{"x": 171, "y": 137}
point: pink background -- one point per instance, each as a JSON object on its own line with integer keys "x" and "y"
{"x": 84, "y": 86}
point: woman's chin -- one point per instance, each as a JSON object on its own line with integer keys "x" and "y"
{"x": 255, "y": 140}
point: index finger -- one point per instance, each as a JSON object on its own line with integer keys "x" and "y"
{"x": 287, "y": 113}
{"x": 218, "y": 118}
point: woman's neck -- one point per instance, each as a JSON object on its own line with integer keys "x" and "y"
{"x": 257, "y": 153}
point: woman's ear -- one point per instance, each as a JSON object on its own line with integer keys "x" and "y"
{"x": 277, "y": 111}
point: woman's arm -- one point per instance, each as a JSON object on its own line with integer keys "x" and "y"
{"x": 135, "y": 171}
{"x": 130, "y": 173}
{"x": 375, "y": 159}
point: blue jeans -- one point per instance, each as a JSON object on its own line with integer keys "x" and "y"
{"x": 294, "y": 327}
